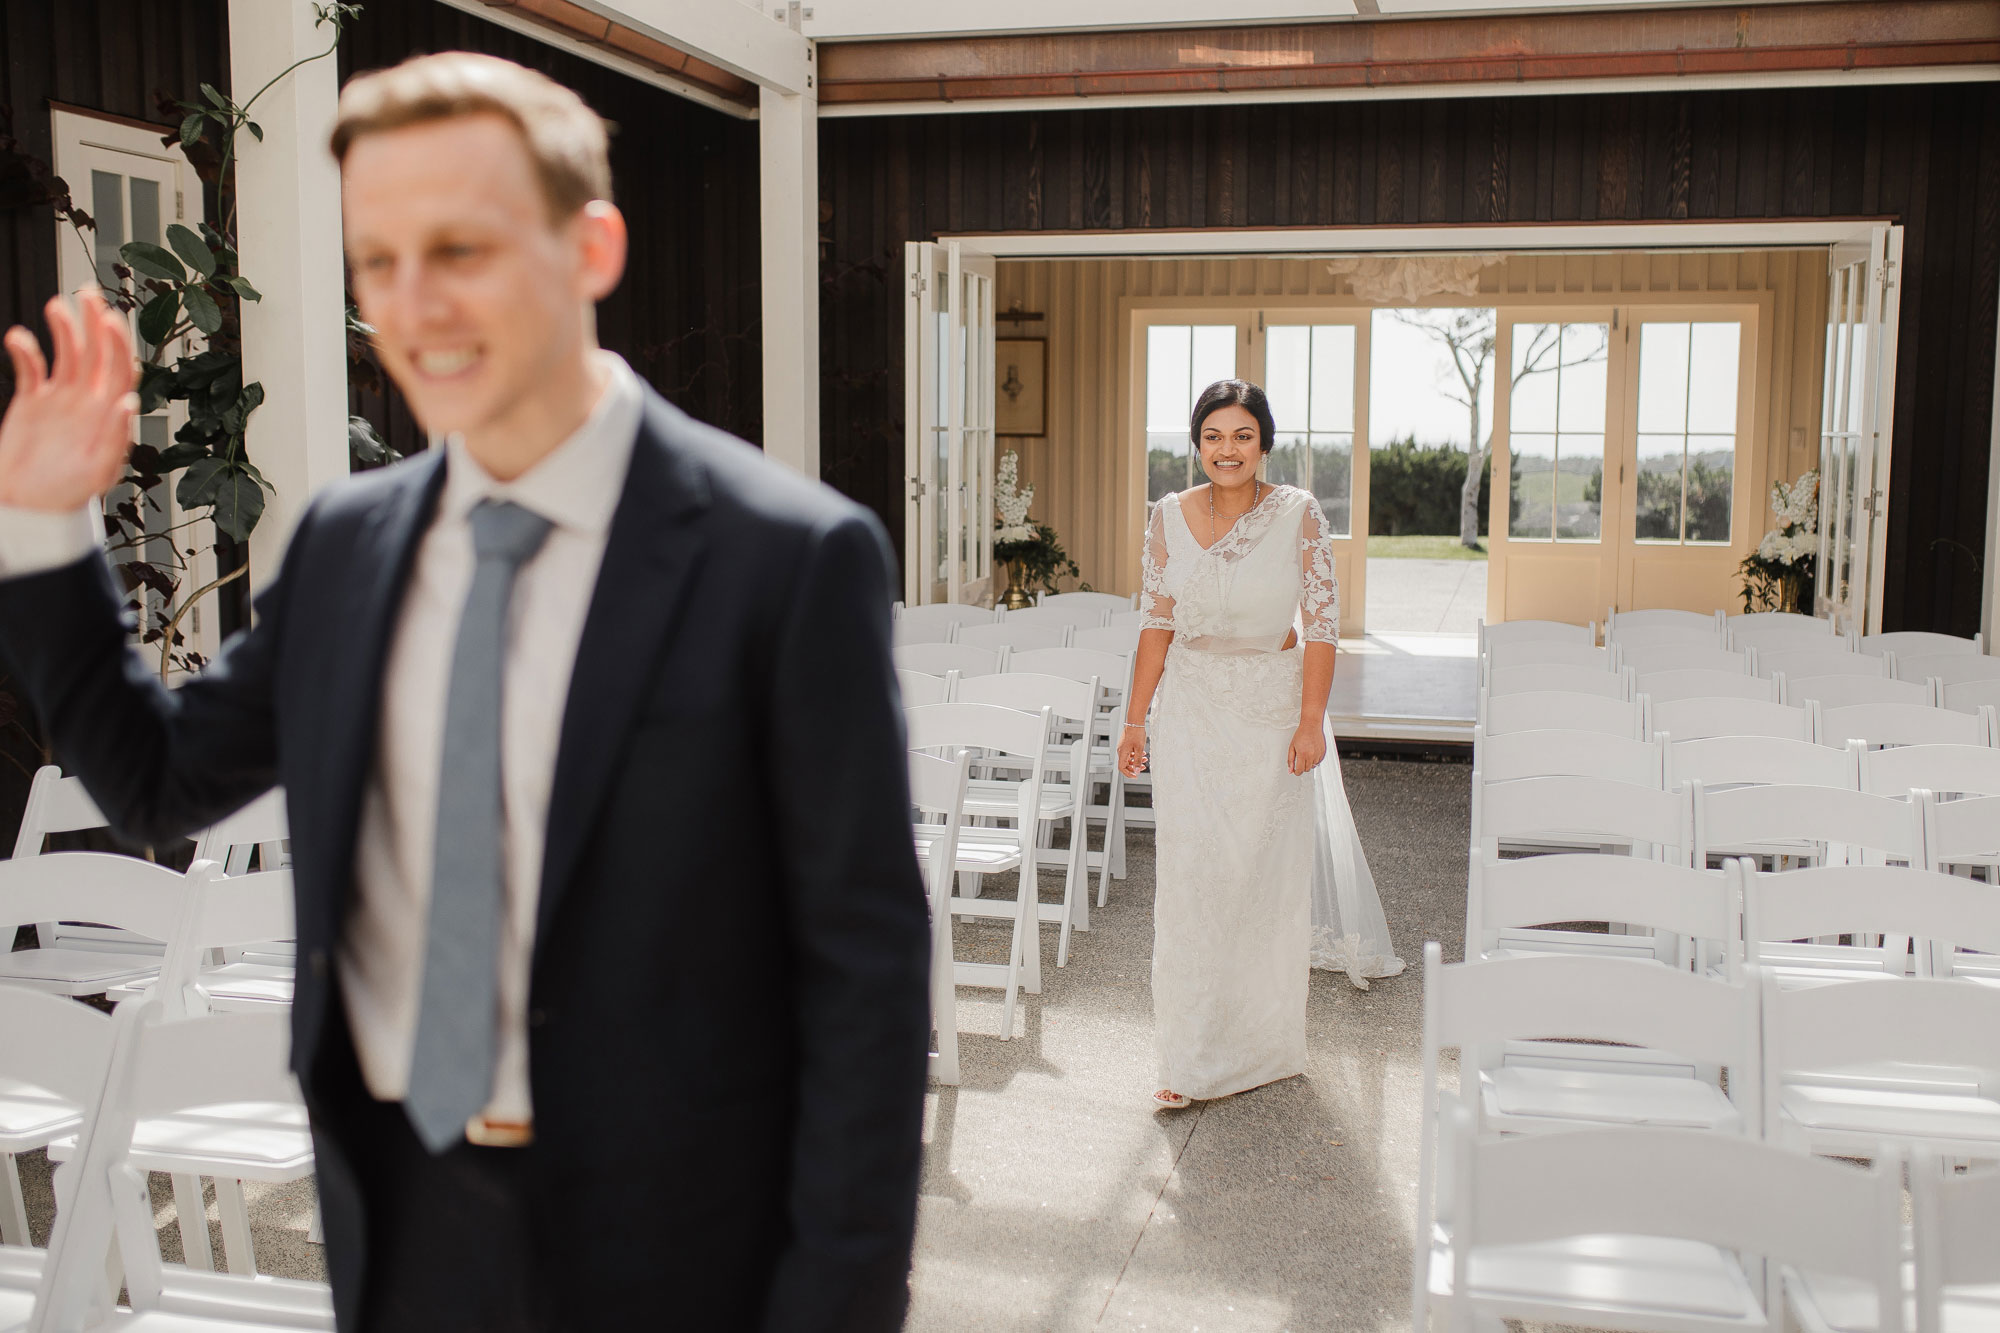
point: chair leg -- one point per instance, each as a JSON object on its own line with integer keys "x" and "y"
{"x": 1028, "y": 922}
{"x": 944, "y": 990}
{"x": 13, "y": 1207}
{"x": 237, "y": 1251}
{"x": 193, "y": 1214}
{"x": 316, "y": 1232}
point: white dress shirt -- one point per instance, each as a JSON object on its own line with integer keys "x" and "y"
{"x": 381, "y": 954}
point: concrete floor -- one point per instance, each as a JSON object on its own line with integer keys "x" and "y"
{"x": 1055, "y": 1198}
{"x": 1425, "y": 596}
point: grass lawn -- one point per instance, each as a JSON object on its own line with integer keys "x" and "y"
{"x": 1420, "y": 548}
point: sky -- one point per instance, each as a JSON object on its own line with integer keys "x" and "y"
{"x": 1408, "y": 371}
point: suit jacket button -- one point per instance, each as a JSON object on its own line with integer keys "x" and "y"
{"x": 316, "y": 961}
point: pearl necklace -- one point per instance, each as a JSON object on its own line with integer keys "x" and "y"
{"x": 1256, "y": 494}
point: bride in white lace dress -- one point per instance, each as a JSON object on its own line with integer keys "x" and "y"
{"x": 1260, "y": 874}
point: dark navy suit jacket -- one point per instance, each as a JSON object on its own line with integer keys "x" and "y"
{"x": 728, "y": 1005}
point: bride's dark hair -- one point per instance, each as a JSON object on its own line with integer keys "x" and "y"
{"x": 1234, "y": 393}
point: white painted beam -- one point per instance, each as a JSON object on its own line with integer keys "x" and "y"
{"x": 288, "y": 223}
{"x": 742, "y": 38}
{"x": 1331, "y": 241}
{"x": 788, "y": 140}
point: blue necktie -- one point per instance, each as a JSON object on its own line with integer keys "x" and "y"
{"x": 451, "y": 1065}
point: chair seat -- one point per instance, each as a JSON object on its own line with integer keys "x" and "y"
{"x": 65, "y": 970}
{"x": 1620, "y": 1280}
{"x": 976, "y": 855}
{"x": 31, "y": 1116}
{"x": 197, "y": 1302}
{"x": 240, "y": 985}
{"x": 1001, "y": 800}
{"x": 20, "y": 1275}
{"x": 1589, "y": 1097}
{"x": 1897, "y": 1112}
{"x": 263, "y": 1141}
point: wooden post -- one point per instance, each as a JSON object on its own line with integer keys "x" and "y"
{"x": 788, "y": 143}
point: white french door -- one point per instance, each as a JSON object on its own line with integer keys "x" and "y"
{"x": 1863, "y": 296}
{"x": 948, "y": 349}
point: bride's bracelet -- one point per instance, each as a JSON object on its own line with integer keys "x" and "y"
{"x": 1139, "y": 725}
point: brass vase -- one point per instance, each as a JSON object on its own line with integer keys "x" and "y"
{"x": 1017, "y": 594}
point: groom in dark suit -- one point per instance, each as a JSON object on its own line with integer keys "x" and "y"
{"x": 611, "y": 1006}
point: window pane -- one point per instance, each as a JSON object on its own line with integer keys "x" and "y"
{"x": 940, "y": 449}
{"x": 1711, "y": 473}
{"x": 146, "y": 211}
{"x": 1287, "y": 364}
{"x": 1214, "y": 359}
{"x": 1712, "y": 358}
{"x": 1579, "y": 485}
{"x": 1531, "y": 488}
{"x": 1289, "y": 462}
{"x": 1857, "y": 375}
{"x": 1663, "y": 378}
{"x": 107, "y": 206}
{"x": 1168, "y": 396}
{"x": 1580, "y": 406}
{"x": 1333, "y": 480}
{"x": 1658, "y": 516}
{"x": 1333, "y": 378}
{"x": 1532, "y": 405}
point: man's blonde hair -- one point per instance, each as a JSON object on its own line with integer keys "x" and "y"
{"x": 567, "y": 142}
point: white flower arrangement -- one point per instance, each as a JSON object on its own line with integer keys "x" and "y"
{"x": 1012, "y": 500}
{"x": 1780, "y": 574}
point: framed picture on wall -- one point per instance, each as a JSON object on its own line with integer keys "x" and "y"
{"x": 1021, "y": 387}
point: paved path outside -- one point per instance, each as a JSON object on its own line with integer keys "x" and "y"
{"x": 1426, "y": 596}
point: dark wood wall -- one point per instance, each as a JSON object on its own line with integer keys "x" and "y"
{"x": 1928, "y": 157}
{"x": 687, "y": 315}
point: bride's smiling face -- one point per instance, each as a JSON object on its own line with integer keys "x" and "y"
{"x": 1230, "y": 447}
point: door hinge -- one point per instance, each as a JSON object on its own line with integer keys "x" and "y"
{"x": 918, "y": 282}
{"x": 1614, "y": 319}
{"x": 180, "y": 206}
{"x": 1260, "y": 321}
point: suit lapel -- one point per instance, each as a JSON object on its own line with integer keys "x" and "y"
{"x": 650, "y": 555}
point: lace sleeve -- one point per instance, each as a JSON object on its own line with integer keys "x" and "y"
{"x": 1154, "y": 601}
{"x": 1319, "y": 606}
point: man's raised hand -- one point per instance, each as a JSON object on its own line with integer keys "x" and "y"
{"x": 65, "y": 436}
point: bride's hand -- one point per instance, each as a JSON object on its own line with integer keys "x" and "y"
{"x": 1308, "y": 748}
{"x": 1132, "y": 752}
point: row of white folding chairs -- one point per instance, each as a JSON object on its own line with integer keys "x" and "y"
{"x": 1493, "y": 1174}
{"x": 127, "y": 1076}
{"x": 973, "y": 660}
{"x": 1110, "y": 603}
{"x": 1007, "y": 636}
{"x": 1769, "y": 630}
{"x": 1639, "y": 717}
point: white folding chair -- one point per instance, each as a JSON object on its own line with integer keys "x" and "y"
{"x": 1954, "y": 1218}
{"x": 168, "y": 1069}
{"x": 1958, "y": 770}
{"x": 1524, "y": 631}
{"x": 948, "y": 613}
{"x": 1692, "y": 623}
{"x": 1853, "y": 1070}
{"x": 1110, "y": 603}
{"x": 1730, "y": 761}
{"x": 1649, "y": 636}
{"x": 1113, "y": 674}
{"x": 250, "y": 972}
{"x": 1647, "y": 658}
{"x": 1696, "y": 719}
{"x": 1643, "y": 1228}
{"x": 53, "y": 1057}
{"x": 1904, "y": 724}
{"x": 1559, "y": 710}
{"x": 1556, "y": 753}
{"x": 1965, "y": 834}
{"x": 1126, "y": 619}
{"x": 1671, "y": 914}
{"x": 1971, "y": 696}
{"x": 1819, "y": 662}
{"x": 1071, "y": 706}
{"x": 1847, "y": 691}
{"x": 1917, "y": 643}
{"x": 918, "y": 687}
{"x": 1664, "y": 687}
{"x": 937, "y": 789}
{"x": 1561, "y": 1043}
{"x": 1781, "y": 621}
{"x": 1558, "y": 677}
{"x": 1120, "y": 639}
{"x": 1826, "y": 825}
{"x": 140, "y": 900}
{"x": 1063, "y": 617}
{"x": 1880, "y": 908}
{"x": 1017, "y": 637}
{"x": 1551, "y": 652}
{"x": 1779, "y": 638}
{"x": 907, "y": 630}
{"x": 995, "y": 848}
{"x": 939, "y": 659}
{"x": 1951, "y": 668}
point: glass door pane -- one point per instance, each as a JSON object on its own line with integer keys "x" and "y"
{"x": 1309, "y": 378}
{"x": 1181, "y": 361}
{"x": 1556, "y": 413}
{"x": 1686, "y": 438}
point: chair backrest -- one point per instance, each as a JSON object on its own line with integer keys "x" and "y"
{"x": 1960, "y": 831}
{"x": 1970, "y": 696}
{"x": 54, "y": 1043}
{"x": 1695, "y": 683}
{"x": 920, "y": 687}
{"x": 1967, "y": 770}
{"x": 1120, "y": 639}
{"x": 1019, "y": 636}
{"x": 1785, "y": 638}
{"x": 1917, "y": 643}
{"x": 1565, "y": 753}
{"x": 1582, "y": 886}
{"x": 937, "y": 788}
{"x": 1524, "y": 631}
{"x": 1121, "y": 619}
{"x": 263, "y": 822}
{"x": 948, "y": 613}
{"x": 1694, "y": 719}
{"x": 1646, "y": 636}
{"x": 978, "y": 726}
{"x": 1569, "y": 679}
{"x": 1082, "y": 617}
{"x": 1955, "y": 1216}
{"x": 1778, "y": 620}
{"x": 1901, "y": 724}
{"x": 1707, "y": 655}
{"x": 1109, "y": 602}
{"x": 1818, "y": 662}
{"x": 1787, "y": 812}
{"x": 1614, "y": 812}
{"x": 1951, "y": 668}
{"x": 1895, "y": 901}
{"x": 124, "y": 892}
{"x": 1549, "y": 652}
{"x": 1030, "y": 691}
{"x": 1758, "y": 1199}
{"x": 1847, "y": 691}
{"x": 1691, "y": 622}
{"x": 1559, "y": 709}
{"x": 907, "y": 630}
{"x": 1727, "y": 761}
{"x": 56, "y": 804}
{"x": 938, "y": 659}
